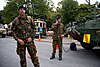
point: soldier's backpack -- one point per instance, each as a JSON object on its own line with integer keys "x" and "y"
{"x": 73, "y": 46}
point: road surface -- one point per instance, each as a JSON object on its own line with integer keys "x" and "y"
{"x": 79, "y": 58}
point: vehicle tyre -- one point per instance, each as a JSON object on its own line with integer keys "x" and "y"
{"x": 3, "y": 35}
{"x": 87, "y": 46}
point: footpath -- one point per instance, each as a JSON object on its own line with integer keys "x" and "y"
{"x": 65, "y": 40}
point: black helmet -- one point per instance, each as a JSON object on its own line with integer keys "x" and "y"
{"x": 21, "y": 6}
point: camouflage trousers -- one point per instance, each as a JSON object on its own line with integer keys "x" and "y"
{"x": 21, "y": 51}
{"x": 59, "y": 42}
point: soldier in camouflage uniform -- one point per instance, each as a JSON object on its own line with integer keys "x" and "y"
{"x": 58, "y": 29}
{"x": 23, "y": 32}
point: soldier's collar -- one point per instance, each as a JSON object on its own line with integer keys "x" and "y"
{"x": 24, "y": 18}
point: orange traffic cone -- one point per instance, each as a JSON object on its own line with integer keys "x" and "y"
{"x": 39, "y": 39}
{"x": 57, "y": 46}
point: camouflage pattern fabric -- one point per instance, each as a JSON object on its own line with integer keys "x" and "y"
{"x": 57, "y": 36}
{"x": 23, "y": 29}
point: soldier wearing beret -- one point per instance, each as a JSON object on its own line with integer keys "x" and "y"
{"x": 58, "y": 29}
{"x": 23, "y": 32}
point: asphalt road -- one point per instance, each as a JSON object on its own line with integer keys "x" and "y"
{"x": 79, "y": 58}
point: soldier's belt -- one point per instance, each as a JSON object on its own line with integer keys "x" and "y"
{"x": 25, "y": 40}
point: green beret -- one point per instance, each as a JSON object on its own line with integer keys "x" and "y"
{"x": 21, "y": 6}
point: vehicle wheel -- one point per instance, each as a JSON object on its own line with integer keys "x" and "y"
{"x": 87, "y": 46}
{"x": 3, "y": 35}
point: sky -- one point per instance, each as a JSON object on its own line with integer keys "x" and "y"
{"x": 2, "y": 2}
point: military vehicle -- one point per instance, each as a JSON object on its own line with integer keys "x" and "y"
{"x": 2, "y": 31}
{"x": 86, "y": 31}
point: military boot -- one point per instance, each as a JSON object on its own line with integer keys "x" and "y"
{"x": 53, "y": 56}
{"x": 60, "y": 57}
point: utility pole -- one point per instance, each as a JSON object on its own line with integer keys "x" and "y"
{"x": 89, "y": 8}
{"x": 95, "y": 8}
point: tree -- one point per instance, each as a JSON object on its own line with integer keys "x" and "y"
{"x": 68, "y": 10}
{"x": 10, "y": 11}
{"x": 35, "y": 8}
{"x": 85, "y": 10}
{"x": 1, "y": 18}
{"x": 51, "y": 18}
{"x": 71, "y": 11}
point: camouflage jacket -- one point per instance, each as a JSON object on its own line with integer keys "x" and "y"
{"x": 58, "y": 30}
{"x": 23, "y": 28}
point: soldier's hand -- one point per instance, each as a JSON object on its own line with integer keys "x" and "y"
{"x": 29, "y": 39}
{"x": 56, "y": 22}
{"x": 21, "y": 41}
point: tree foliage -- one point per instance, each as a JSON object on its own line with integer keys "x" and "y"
{"x": 10, "y": 12}
{"x": 69, "y": 10}
{"x": 85, "y": 10}
{"x": 35, "y": 8}
{"x": 1, "y": 18}
{"x": 72, "y": 11}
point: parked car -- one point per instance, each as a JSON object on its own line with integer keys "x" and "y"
{"x": 9, "y": 32}
{"x": 3, "y": 31}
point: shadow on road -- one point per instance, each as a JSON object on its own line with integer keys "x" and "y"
{"x": 89, "y": 53}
